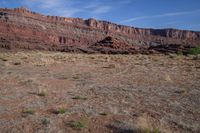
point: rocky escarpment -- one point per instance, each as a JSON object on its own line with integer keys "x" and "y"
{"x": 23, "y": 29}
{"x": 111, "y": 45}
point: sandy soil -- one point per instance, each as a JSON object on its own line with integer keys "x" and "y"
{"x": 44, "y": 92}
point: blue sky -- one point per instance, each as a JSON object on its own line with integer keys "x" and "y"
{"x": 180, "y": 14}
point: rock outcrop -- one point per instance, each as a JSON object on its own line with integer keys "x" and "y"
{"x": 23, "y": 29}
{"x": 111, "y": 45}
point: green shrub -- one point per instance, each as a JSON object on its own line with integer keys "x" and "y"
{"x": 179, "y": 53}
{"x": 77, "y": 124}
{"x": 45, "y": 121}
{"x": 60, "y": 111}
{"x": 194, "y": 51}
{"x": 79, "y": 98}
{"x": 29, "y": 111}
{"x": 42, "y": 94}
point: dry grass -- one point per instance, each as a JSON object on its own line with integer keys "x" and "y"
{"x": 78, "y": 124}
{"x": 29, "y": 111}
{"x": 79, "y": 98}
{"x": 143, "y": 93}
{"x": 60, "y": 111}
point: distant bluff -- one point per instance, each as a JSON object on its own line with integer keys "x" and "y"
{"x": 23, "y": 29}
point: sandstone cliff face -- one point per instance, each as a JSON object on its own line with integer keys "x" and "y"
{"x": 23, "y": 29}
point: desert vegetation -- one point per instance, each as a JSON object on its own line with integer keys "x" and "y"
{"x": 63, "y": 92}
{"x": 194, "y": 51}
{"x": 77, "y": 124}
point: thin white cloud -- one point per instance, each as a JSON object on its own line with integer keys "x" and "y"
{"x": 97, "y": 8}
{"x": 102, "y": 9}
{"x": 92, "y": 5}
{"x": 160, "y": 16}
{"x": 67, "y": 8}
{"x": 50, "y": 4}
{"x": 53, "y": 7}
{"x": 67, "y": 12}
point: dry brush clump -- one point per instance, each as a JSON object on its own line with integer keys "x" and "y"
{"x": 78, "y": 124}
{"x": 59, "y": 110}
{"x": 46, "y": 121}
{"x": 3, "y": 58}
{"x": 42, "y": 92}
{"x": 79, "y": 98}
{"x": 29, "y": 111}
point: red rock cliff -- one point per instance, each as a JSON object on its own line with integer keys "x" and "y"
{"x": 21, "y": 28}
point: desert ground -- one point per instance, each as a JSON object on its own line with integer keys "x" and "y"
{"x": 48, "y": 92}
